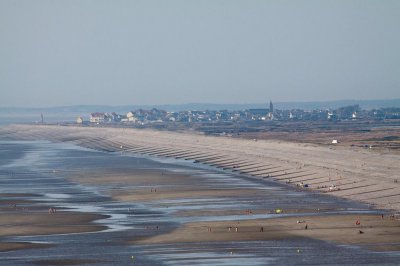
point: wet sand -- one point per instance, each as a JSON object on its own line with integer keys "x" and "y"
{"x": 160, "y": 186}
{"x": 68, "y": 262}
{"x": 45, "y": 224}
{"x": 10, "y": 246}
{"x": 358, "y": 174}
{"x": 20, "y": 217}
{"x": 162, "y": 206}
{"x": 152, "y": 184}
{"x": 376, "y": 233}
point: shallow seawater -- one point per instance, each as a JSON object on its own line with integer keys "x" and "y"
{"x": 43, "y": 169}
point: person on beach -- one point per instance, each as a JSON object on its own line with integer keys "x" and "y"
{"x": 262, "y": 229}
{"x": 358, "y": 222}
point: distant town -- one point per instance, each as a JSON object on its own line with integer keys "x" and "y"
{"x": 142, "y": 117}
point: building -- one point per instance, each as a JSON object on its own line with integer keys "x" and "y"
{"x": 257, "y": 114}
{"x": 131, "y": 117}
{"x": 116, "y": 117}
{"x": 97, "y": 117}
{"x": 79, "y": 120}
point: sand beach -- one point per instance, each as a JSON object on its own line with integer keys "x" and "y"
{"x": 352, "y": 173}
{"x": 190, "y": 192}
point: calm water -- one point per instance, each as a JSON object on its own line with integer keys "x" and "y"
{"x": 28, "y": 167}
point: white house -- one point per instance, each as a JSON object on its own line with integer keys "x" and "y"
{"x": 131, "y": 117}
{"x": 97, "y": 117}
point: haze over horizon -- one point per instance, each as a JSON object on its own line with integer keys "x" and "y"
{"x": 60, "y": 53}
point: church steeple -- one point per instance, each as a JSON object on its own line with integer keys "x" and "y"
{"x": 271, "y": 107}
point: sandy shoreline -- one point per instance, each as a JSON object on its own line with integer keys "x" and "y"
{"x": 10, "y": 246}
{"x": 42, "y": 223}
{"x": 379, "y": 234}
{"x": 288, "y": 163}
{"x": 19, "y": 218}
{"x": 354, "y": 174}
{"x": 374, "y": 232}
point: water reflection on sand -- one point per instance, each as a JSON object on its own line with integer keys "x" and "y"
{"x": 44, "y": 169}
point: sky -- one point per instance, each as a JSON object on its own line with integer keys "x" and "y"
{"x": 72, "y": 52}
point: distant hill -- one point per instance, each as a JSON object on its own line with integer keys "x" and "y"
{"x": 69, "y": 113}
{"x": 364, "y": 104}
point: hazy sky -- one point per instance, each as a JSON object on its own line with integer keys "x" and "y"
{"x": 154, "y": 52}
